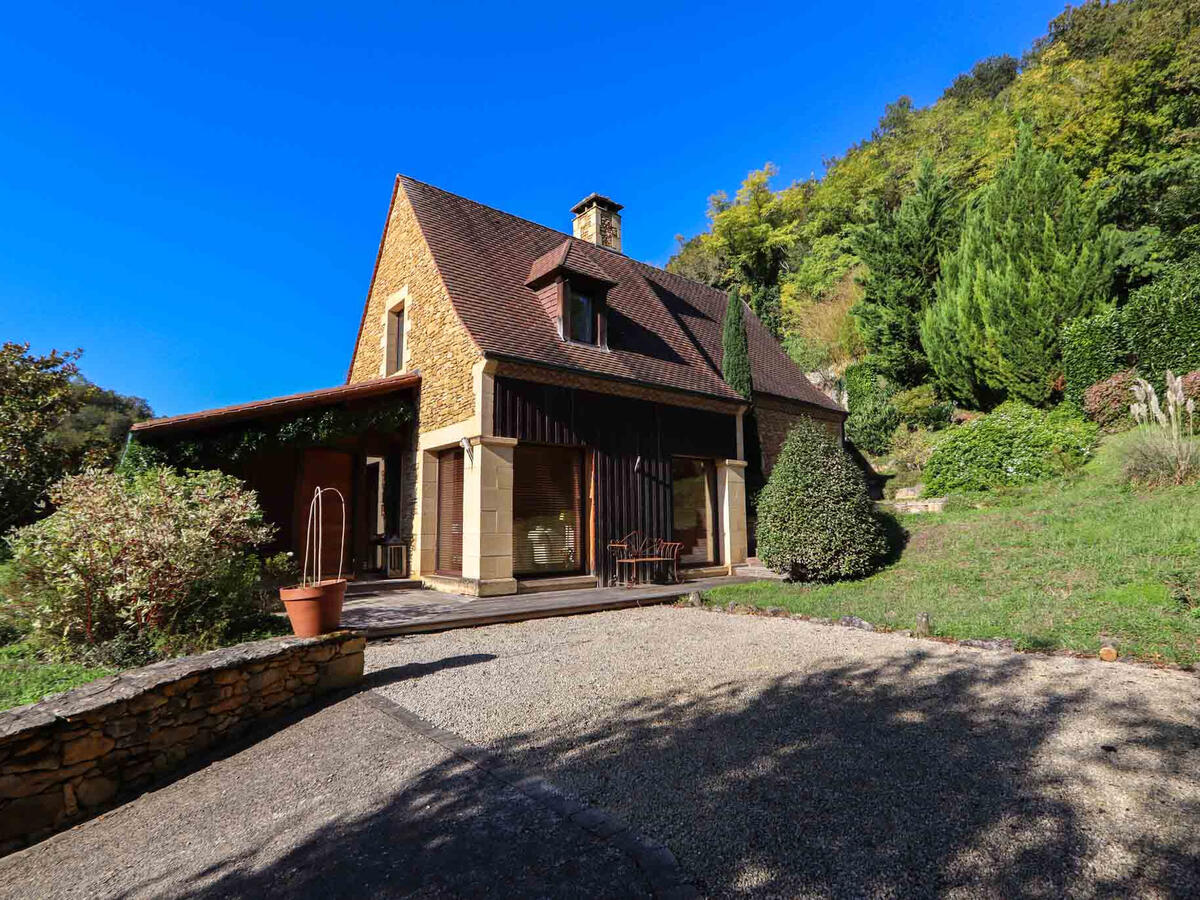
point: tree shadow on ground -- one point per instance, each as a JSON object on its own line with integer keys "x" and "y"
{"x": 918, "y": 777}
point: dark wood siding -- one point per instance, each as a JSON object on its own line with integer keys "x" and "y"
{"x": 632, "y": 441}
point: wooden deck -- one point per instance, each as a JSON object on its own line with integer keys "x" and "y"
{"x": 391, "y": 612}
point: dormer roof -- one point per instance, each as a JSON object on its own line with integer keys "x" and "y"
{"x": 569, "y": 260}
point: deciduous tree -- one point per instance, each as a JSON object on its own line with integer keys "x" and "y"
{"x": 36, "y": 393}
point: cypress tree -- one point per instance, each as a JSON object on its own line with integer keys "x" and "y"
{"x": 1032, "y": 256}
{"x": 735, "y": 350}
{"x": 902, "y": 251}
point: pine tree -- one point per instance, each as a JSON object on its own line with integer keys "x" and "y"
{"x": 735, "y": 358}
{"x": 902, "y": 251}
{"x": 1031, "y": 256}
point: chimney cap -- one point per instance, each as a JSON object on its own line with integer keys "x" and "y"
{"x": 594, "y": 199}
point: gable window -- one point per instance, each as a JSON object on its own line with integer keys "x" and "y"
{"x": 579, "y": 315}
{"x": 395, "y": 343}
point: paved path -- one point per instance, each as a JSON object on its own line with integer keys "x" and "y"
{"x": 393, "y": 612}
{"x": 349, "y": 802}
{"x": 781, "y": 758}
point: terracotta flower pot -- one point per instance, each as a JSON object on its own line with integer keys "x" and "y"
{"x": 334, "y": 592}
{"x": 314, "y": 608}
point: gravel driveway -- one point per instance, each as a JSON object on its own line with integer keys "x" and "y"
{"x": 777, "y": 757}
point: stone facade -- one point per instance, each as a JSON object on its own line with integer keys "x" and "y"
{"x": 75, "y": 754}
{"x": 437, "y": 341}
{"x": 776, "y": 417}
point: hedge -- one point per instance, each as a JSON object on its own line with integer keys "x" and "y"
{"x": 1159, "y": 329}
{"x": 1093, "y": 349}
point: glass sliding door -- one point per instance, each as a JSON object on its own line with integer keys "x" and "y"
{"x": 694, "y": 520}
{"x": 547, "y": 510}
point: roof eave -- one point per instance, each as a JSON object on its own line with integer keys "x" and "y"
{"x": 500, "y": 356}
{"x": 241, "y": 412}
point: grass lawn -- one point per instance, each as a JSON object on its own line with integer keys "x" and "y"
{"x": 1062, "y": 565}
{"x": 24, "y": 678}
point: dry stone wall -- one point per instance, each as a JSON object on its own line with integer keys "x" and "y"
{"x": 72, "y": 755}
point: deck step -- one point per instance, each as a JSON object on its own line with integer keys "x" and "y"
{"x": 756, "y": 571}
{"x": 564, "y": 583}
{"x": 695, "y": 574}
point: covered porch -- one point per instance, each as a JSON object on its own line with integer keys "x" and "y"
{"x": 357, "y": 439}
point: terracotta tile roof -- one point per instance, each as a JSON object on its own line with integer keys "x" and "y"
{"x": 567, "y": 257}
{"x": 291, "y": 403}
{"x": 663, "y": 329}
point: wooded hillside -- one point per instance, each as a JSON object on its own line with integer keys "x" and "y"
{"x": 872, "y": 259}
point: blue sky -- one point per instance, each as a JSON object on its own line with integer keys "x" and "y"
{"x": 194, "y": 193}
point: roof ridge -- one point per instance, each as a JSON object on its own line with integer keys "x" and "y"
{"x": 565, "y": 234}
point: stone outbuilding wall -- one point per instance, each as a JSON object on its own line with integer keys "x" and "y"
{"x": 72, "y": 755}
{"x": 776, "y": 417}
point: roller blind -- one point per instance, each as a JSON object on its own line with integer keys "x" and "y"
{"x": 547, "y": 510}
{"x": 450, "y": 512}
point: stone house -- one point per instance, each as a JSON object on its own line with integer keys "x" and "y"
{"x": 563, "y": 396}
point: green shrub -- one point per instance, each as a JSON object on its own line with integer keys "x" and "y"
{"x": 1093, "y": 349}
{"x": 871, "y": 426}
{"x": 1014, "y": 444}
{"x": 913, "y": 447}
{"x": 865, "y": 385}
{"x": 1157, "y": 330}
{"x": 155, "y": 559}
{"x": 1161, "y": 323}
{"x": 807, "y": 353}
{"x": 815, "y": 520}
{"x": 1107, "y": 402}
{"x": 920, "y": 407}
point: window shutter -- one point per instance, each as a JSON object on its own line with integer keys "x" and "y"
{"x": 547, "y": 510}
{"x": 450, "y": 512}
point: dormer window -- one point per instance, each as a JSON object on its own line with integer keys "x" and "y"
{"x": 579, "y": 315}
{"x": 572, "y": 287}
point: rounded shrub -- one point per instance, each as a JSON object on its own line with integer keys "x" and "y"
{"x": 1107, "y": 402}
{"x": 871, "y": 427}
{"x": 920, "y": 407}
{"x": 1014, "y": 444}
{"x": 815, "y": 519}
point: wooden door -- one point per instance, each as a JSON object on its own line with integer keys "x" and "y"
{"x": 450, "y": 512}
{"x": 326, "y": 469}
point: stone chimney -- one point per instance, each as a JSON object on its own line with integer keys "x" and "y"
{"x": 598, "y": 219}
